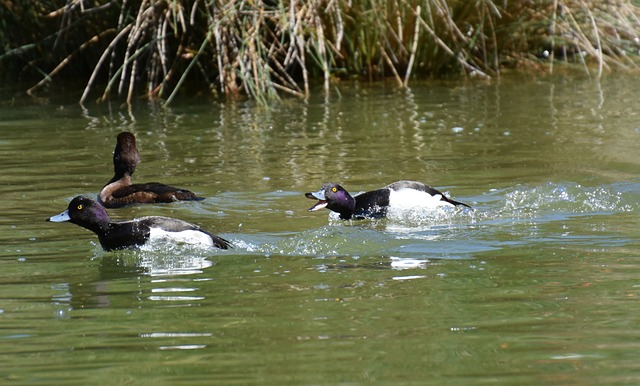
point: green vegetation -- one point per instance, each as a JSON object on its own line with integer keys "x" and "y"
{"x": 157, "y": 48}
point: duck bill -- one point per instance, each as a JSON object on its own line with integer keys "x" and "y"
{"x": 322, "y": 202}
{"x": 62, "y": 217}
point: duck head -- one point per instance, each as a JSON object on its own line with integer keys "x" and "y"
{"x": 333, "y": 197}
{"x": 125, "y": 156}
{"x": 84, "y": 212}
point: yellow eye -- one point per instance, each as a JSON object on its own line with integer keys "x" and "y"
{"x": 80, "y": 207}
{"x": 334, "y": 189}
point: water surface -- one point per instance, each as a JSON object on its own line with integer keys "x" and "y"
{"x": 538, "y": 285}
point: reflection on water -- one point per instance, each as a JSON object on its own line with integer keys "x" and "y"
{"x": 158, "y": 262}
{"x": 537, "y": 282}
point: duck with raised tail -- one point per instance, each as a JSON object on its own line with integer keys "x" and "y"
{"x": 131, "y": 234}
{"x": 376, "y": 203}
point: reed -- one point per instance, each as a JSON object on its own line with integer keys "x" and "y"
{"x": 264, "y": 49}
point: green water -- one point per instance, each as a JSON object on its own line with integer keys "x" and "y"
{"x": 539, "y": 285}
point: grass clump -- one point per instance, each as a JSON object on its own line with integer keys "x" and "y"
{"x": 262, "y": 49}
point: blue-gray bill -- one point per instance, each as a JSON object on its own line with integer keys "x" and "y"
{"x": 322, "y": 201}
{"x": 62, "y": 217}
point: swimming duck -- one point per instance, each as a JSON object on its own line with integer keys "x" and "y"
{"x": 375, "y": 203}
{"x": 120, "y": 191}
{"x": 133, "y": 233}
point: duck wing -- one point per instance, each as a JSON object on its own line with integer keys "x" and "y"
{"x": 169, "y": 224}
{"x": 153, "y": 192}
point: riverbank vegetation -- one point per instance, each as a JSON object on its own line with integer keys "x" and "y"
{"x": 125, "y": 49}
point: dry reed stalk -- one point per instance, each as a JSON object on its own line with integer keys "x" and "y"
{"x": 104, "y": 56}
{"x": 598, "y": 45}
{"x": 461, "y": 60}
{"x": 49, "y": 77}
{"x": 414, "y": 48}
{"x": 264, "y": 49}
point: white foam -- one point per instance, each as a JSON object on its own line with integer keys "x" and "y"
{"x": 407, "y": 263}
{"x": 413, "y": 277}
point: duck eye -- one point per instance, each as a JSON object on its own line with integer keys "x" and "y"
{"x": 80, "y": 207}
{"x": 334, "y": 189}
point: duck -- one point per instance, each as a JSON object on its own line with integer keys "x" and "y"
{"x": 375, "y": 203}
{"x": 131, "y": 234}
{"x": 120, "y": 191}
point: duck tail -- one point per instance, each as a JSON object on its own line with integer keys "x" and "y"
{"x": 455, "y": 203}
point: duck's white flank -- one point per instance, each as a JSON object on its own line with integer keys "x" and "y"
{"x": 411, "y": 198}
{"x": 192, "y": 237}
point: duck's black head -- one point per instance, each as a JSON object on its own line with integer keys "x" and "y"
{"x": 125, "y": 155}
{"x": 84, "y": 212}
{"x": 333, "y": 197}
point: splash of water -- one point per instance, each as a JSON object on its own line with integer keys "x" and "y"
{"x": 567, "y": 198}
